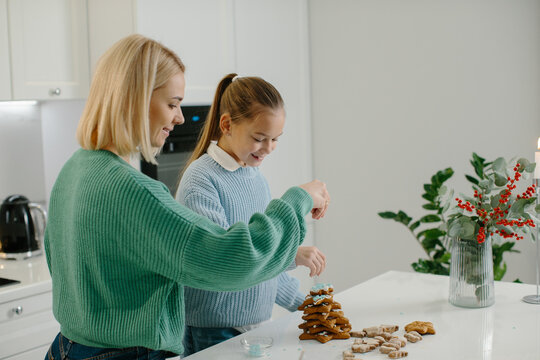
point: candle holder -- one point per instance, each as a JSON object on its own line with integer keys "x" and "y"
{"x": 535, "y": 299}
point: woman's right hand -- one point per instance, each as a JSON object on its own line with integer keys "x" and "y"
{"x": 320, "y": 196}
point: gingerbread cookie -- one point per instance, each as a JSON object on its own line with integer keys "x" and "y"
{"x": 397, "y": 354}
{"x": 315, "y": 323}
{"x": 317, "y": 309}
{"x": 323, "y": 338}
{"x": 316, "y": 316}
{"x": 321, "y": 289}
{"x": 422, "y": 327}
{"x": 323, "y": 317}
{"x": 413, "y": 336}
{"x": 315, "y": 300}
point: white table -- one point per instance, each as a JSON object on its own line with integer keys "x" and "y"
{"x": 508, "y": 330}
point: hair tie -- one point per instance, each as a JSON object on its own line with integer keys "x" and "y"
{"x": 235, "y": 78}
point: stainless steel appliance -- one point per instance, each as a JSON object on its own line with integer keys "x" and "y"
{"x": 178, "y": 147}
{"x": 22, "y": 225}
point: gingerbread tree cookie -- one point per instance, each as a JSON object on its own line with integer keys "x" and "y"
{"x": 323, "y": 317}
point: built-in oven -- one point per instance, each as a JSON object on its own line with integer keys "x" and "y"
{"x": 178, "y": 148}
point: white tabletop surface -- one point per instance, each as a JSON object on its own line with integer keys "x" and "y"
{"x": 508, "y": 330}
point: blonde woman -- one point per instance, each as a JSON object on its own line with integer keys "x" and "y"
{"x": 119, "y": 247}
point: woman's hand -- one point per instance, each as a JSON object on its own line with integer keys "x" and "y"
{"x": 320, "y": 196}
{"x": 312, "y": 258}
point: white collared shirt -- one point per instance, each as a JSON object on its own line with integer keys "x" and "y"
{"x": 222, "y": 157}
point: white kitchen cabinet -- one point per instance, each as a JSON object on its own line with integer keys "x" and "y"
{"x": 5, "y": 75}
{"x": 27, "y": 323}
{"x": 49, "y": 49}
{"x": 272, "y": 42}
{"x": 200, "y": 32}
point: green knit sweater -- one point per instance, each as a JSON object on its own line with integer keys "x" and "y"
{"x": 120, "y": 249}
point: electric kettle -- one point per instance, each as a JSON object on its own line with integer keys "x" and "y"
{"x": 22, "y": 226}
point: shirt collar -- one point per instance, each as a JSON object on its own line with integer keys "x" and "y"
{"x": 222, "y": 157}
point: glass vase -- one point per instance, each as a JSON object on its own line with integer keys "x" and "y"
{"x": 471, "y": 273}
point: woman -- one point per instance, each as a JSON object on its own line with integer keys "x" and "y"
{"x": 120, "y": 248}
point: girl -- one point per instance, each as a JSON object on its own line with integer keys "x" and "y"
{"x": 222, "y": 182}
{"x": 119, "y": 247}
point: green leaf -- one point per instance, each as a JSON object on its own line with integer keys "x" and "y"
{"x": 403, "y": 218}
{"x": 433, "y": 234}
{"x": 442, "y": 190}
{"x": 467, "y": 231}
{"x": 518, "y": 208}
{"x": 499, "y": 165}
{"x": 498, "y": 272}
{"x": 537, "y": 209}
{"x": 500, "y": 180}
{"x": 478, "y": 164}
{"x": 495, "y": 200}
{"x": 446, "y": 258}
{"x": 430, "y": 219}
{"x": 472, "y": 179}
{"x": 430, "y": 244}
{"x": 430, "y": 267}
{"x": 430, "y": 207}
{"x": 485, "y": 184}
{"x": 518, "y": 281}
{"x": 387, "y": 215}
{"x": 428, "y": 197}
{"x": 523, "y": 163}
{"x": 414, "y": 225}
{"x": 445, "y": 207}
{"x": 530, "y": 168}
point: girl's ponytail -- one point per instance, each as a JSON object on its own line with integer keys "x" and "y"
{"x": 210, "y": 130}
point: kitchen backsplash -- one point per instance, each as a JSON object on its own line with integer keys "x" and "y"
{"x": 21, "y": 151}
{"x": 35, "y": 141}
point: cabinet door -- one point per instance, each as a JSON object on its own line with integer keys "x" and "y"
{"x": 200, "y": 32}
{"x": 33, "y": 354}
{"x": 49, "y": 49}
{"x": 272, "y": 42}
{"x": 5, "y": 76}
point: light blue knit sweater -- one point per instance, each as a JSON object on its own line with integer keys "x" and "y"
{"x": 227, "y": 197}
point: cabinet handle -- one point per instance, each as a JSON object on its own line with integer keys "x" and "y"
{"x": 55, "y": 92}
{"x": 18, "y": 310}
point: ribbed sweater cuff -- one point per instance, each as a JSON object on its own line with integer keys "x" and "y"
{"x": 299, "y": 199}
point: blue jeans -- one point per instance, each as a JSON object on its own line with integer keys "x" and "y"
{"x": 64, "y": 349}
{"x": 197, "y": 338}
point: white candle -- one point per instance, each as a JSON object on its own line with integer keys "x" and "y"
{"x": 537, "y": 161}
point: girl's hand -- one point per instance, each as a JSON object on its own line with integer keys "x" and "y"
{"x": 312, "y": 258}
{"x": 320, "y": 196}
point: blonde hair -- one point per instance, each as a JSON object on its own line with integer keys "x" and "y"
{"x": 117, "y": 109}
{"x": 243, "y": 98}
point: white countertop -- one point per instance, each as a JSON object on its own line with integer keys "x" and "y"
{"x": 508, "y": 330}
{"x": 32, "y": 273}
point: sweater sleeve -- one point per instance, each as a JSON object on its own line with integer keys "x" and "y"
{"x": 196, "y": 252}
{"x": 207, "y": 205}
{"x": 288, "y": 295}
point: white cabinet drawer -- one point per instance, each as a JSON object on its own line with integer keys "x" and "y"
{"x": 20, "y": 308}
{"x": 35, "y": 354}
{"x": 29, "y": 332}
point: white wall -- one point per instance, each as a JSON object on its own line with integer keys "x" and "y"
{"x": 59, "y": 121}
{"x": 401, "y": 89}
